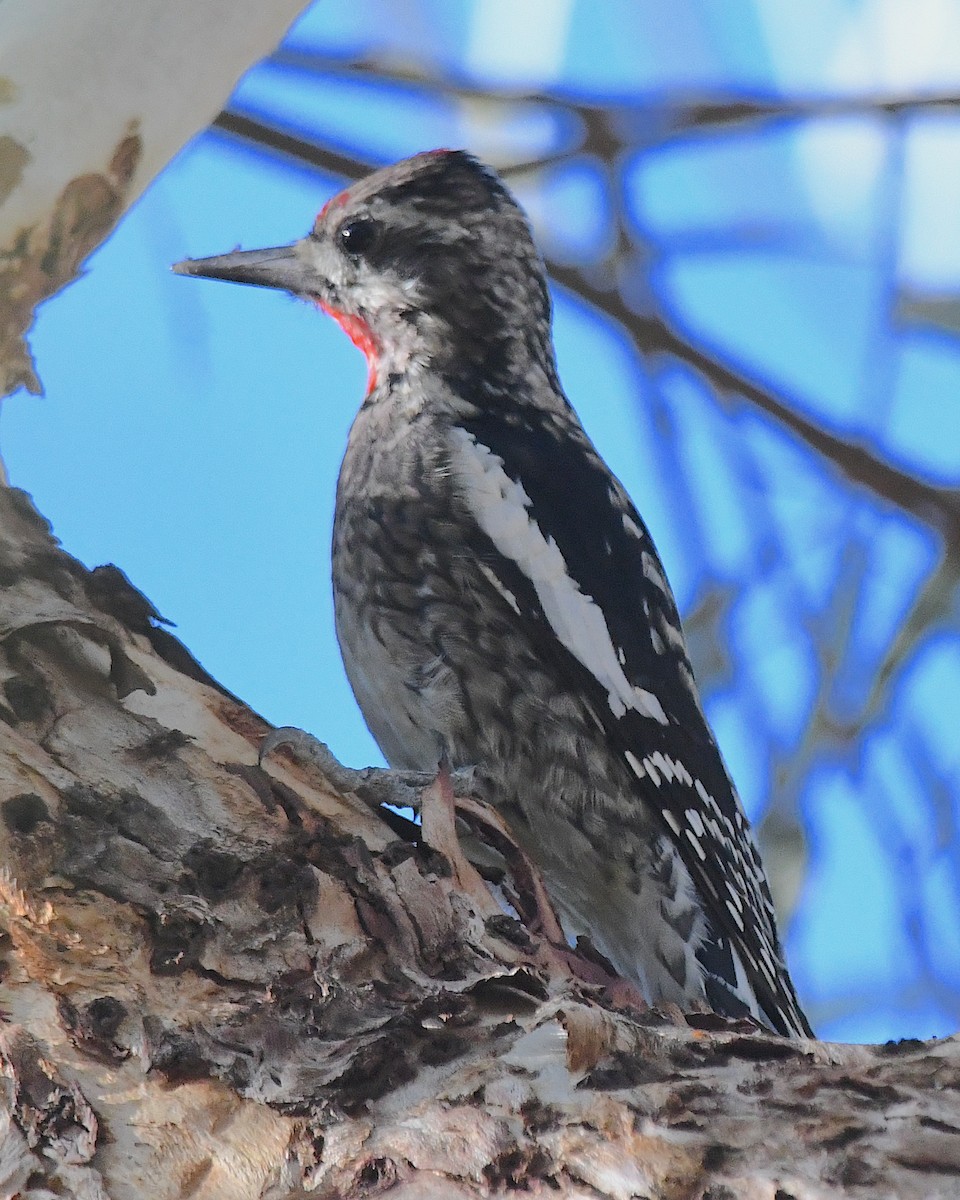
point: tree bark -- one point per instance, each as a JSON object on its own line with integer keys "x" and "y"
{"x": 227, "y": 981}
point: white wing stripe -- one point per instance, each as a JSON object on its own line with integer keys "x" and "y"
{"x": 501, "y": 506}
{"x": 491, "y": 578}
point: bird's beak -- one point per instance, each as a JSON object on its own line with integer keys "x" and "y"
{"x": 279, "y": 267}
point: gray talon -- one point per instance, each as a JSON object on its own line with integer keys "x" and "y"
{"x": 373, "y": 785}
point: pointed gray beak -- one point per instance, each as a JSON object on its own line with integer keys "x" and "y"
{"x": 278, "y": 267}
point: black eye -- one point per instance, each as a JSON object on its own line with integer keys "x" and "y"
{"x": 358, "y": 235}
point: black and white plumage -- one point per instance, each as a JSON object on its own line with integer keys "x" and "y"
{"x": 499, "y": 599}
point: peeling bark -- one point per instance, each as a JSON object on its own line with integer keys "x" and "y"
{"x": 220, "y": 980}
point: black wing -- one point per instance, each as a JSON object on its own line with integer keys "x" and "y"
{"x": 674, "y": 766}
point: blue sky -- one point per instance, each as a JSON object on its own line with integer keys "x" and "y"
{"x": 191, "y": 432}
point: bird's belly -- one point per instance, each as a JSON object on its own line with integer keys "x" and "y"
{"x": 433, "y": 667}
{"x": 406, "y": 694}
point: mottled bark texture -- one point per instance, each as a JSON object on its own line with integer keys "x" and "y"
{"x": 226, "y": 981}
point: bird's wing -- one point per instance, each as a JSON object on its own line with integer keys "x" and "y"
{"x": 560, "y": 536}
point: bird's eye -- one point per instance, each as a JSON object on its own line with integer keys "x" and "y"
{"x": 358, "y": 235}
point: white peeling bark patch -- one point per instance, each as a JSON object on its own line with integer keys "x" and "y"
{"x": 501, "y": 508}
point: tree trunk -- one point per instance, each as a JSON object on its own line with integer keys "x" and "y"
{"x": 225, "y": 981}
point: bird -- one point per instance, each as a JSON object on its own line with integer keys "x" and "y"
{"x": 499, "y": 602}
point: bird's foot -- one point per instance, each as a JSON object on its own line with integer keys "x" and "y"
{"x": 375, "y": 786}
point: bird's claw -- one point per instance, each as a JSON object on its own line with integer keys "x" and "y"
{"x": 373, "y": 785}
{"x": 305, "y": 747}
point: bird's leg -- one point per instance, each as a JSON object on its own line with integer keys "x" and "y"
{"x": 375, "y": 786}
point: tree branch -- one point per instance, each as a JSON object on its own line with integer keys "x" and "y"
{"x": 317, "y": 1005}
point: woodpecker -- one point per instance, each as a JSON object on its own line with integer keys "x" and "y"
{"x": 499, "y": 600}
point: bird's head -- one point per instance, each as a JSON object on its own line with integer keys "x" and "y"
{"x": 426, "y": 263}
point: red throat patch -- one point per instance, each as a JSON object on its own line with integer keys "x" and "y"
{"x": 360, "y": 333}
